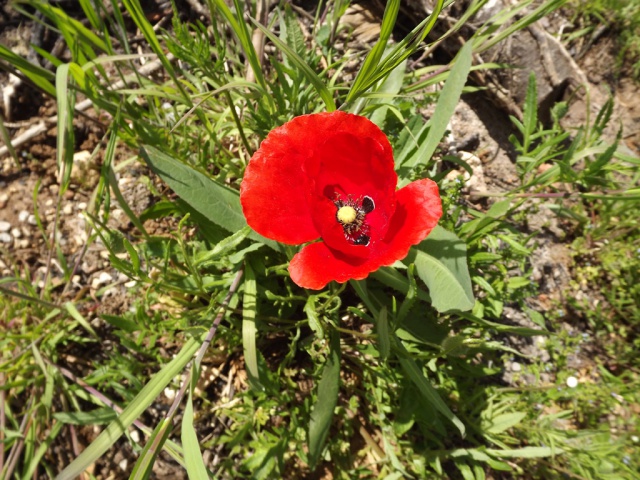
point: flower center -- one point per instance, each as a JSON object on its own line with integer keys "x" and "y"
{"x": 347, "y": 214}
{"x": 351, "y": 214}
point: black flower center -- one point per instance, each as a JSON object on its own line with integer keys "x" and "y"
{"x": 351, "y": 215}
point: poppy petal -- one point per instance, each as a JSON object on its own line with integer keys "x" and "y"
{"x": 274, "y": 188}
{"x": 418, "y": 210}
{"x": 316, "y": 265}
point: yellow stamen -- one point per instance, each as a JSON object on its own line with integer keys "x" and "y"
{"x": 347, "y": 215}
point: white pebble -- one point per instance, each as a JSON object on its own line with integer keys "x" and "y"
{"x": 16, "y": 232}
{"x": 31, "y": 220}
{"x": 23, "y": 215}
{"x": 635, "y": 438}
{"x": 170, "y": 393}
{"x": 4, "y": 226}
{"x": 102, "y": 279}
{"x": 5, "y": 237}
{"x": 135, "y": 436}
{"x": 67, "y": 209}
{"x": 516, "y": 367}
{"x": 572, "y": 382}
{"x": 123, "y": 464}
{"x": 82, "y": 206}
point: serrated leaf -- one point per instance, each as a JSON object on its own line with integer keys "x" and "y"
{"x": 327, "y": 392}
{"x": 441, "y": 263}
{"x": 216, "y": 202}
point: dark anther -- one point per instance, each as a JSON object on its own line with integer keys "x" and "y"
{"x": 362, "y": 240}
{"x": 368, "y": 205}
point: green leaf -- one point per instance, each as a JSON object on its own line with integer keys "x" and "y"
{"x": 447, "y": 102}
{"x": 384, "y": 337}
{"x": 312, "y": 315}
{"x": 99, "y": 416}
{"x": 429, "y": 393}
{"x": 216, "y": 202}
{"x": 327, "y": 392}
{"x": 192, "y": 455}
{"x": 41, "y": 77}
{"x": 504, "y": 422}
{"x": 526, "y": 452}
{"x": 144, "y": 465}
{"x": 370, "y": 64}
{"x": 249, "y": 329}
{"x": 441, "y": 263}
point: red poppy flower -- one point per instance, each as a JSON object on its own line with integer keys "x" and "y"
{"x": 331, "y": 176}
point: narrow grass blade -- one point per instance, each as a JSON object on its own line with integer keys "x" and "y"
{"x": 447, "y": 102}
{"x": 41, "y": 77}
{"x": 139, "y": 404}
{"x": 143, "y": 467}
{"x": 370, "y": 64}
{"x": 249, "y": 330}
{"x": 327, "y": 393}
{"x": 308, "y": 72}
{"x": 429, "y": 393}
{"x": 75, "y": 314}
{"x": 137, "y": 15}
{"x": 242, "y": 32}
{"x": 65, "y": 132}
{"x": 193, "y": 461}
{"x": 382, "y": 329}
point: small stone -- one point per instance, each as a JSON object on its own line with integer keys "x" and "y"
{"x": 67, "y": 209}
{"x": 68, "y": 195}
{"x": 123, "y": 464}
{"x": 516, "y": 367}
{"x": 102, "y": 279}
{"x": 572, "y": 382}
{"x": 4, "y": 226}
{"x": 24, "y": 243}
{"x": 54, "y": 188}
{"x": 31, "y": 220}
{"x": 4, "y": 199}
{"x": 5, "y": 238}
{"x": 16, "y": 233}
{"x": 82, "y": 206}
{"x": 49, "y": 202}
{"x": 135, "y": 436}
{"x": 23, "y": 215}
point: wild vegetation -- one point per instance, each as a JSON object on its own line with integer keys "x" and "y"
{"x": 164, "y": 337}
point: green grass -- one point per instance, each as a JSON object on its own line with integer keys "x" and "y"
{"x": 620, "y": 16}
{"x": 381, "y": 378}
